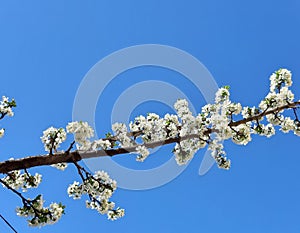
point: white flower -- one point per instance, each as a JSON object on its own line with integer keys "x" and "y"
{"x": 75, "y": 190}
{"x": 115, "y": 214}
{"x": 268, "y": 130}
{"x": 102, "y": 144}
{"x": 6, "y": 106}
{"x": 182, "y": 108}
{"x": 121, "y": 132}
{"x": 279, "y": 78}
{"x": 241, "y": 134}
{"x": 138, "y": 124}
{"x": 222, "y": 95}
{"x": 53, "y": 137}
{"x": 82, "y": 132}
{"x": 171, "y": 123}
{"x": 287, "y": 124}
{"x": 57, "y": 210}
{"x": 17, "y": 180}
{"x": 152, "y": 117}
{"x": 270, "y": 101}
{"x": 40, "y": 215}
{"x": 234, "y": 108}
{"x": 119, "y": 128}
{"x": 285, "y": 95}
{"x": 99, "y": 188}
{"x": 297, "y": 127}
{"x": 275, "y": 119}
{"x": 250, "y": 112}
{"x": 185, "y": 150}
{"x": 143, "y": 153}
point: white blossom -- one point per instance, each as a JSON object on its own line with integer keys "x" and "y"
{"x": 6, "y": 106}
{"x": 115, "y": 214}
{"x": 53, "y": 137}
{"x": 143, "y": 153}
{"x": 182, "y": 108}
{"x": 185, "y": 150}
{"x": 250, "y": 112}
{"x": 287, "y": 124}
{"x": 121, "y": 131}
{"x": 119, "y": 128}
{"x": 297, "y": 127}
{"x": 241, "y": 134}
{"x": 234, "y": 108}
{"x": 75, "y": 190}
{"x": 82, "y": 132}
{"x": 222, "y": 94}
{"x": 171, "y": 123}
{"x": 138, "y": 124}
{"x": 16, "y": 180}
{"x": 102, "y": 144}
{"x": 268, "y": 130}
{"x": 40, "y": 215}
{"x": 99, "y": 188}
{"x": 275, "y": 119}
{"x": 279, "y": 78}
{"x": 219, "y": 154}
{"x": 285, "y": 95}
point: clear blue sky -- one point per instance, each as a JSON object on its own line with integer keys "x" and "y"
{"x": 47, "y": 48}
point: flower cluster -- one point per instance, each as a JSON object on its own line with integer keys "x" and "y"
{"x": 99, "y": 188}
{"x": 149, "y": 129}
{"x": 279, "y": 95}
{"x": 39, "y": 214}
{"x": 16, "y": 180}
{"x": 142, "y": 152}
{"x": 217, "y": 119}
{"x": 6, "y": 109}
{"x": 281, "y": 77}
{"x": 101, "y": 144}
{"x": 211, "y": 126}
{"x": 82, "y": 132}
{"x": 6, "y": 106}
{"x": 120, "y": 130}
{"x": 184, "y": 151}
{"x": 52, "y": 138}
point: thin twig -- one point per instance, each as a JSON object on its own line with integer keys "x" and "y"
{"x": 11, "y": 227}
{"x": 24, "y": 200}
{"x": 70, "y": 147}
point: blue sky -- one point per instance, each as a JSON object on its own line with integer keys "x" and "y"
{"x": 47, "y": 48}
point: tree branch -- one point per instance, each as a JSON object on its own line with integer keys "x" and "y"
{"x": 75, "y": 156}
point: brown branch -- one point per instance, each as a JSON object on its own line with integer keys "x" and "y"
{"x": 271, "y": 111}
{"x": 75, "y": 156}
